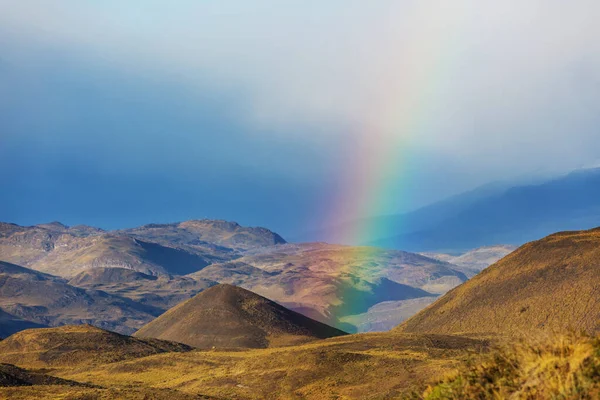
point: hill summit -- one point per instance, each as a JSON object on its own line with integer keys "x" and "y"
{"x": 72, "y": 345}
{"x": 552, "y": 284}
{"x": 229, "y": 316}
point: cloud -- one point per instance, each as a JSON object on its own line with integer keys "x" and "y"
{"x": 498, "y": 89}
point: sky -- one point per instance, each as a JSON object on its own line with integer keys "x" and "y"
{"x": 286, "y": 114}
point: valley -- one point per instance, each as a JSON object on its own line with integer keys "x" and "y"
{"x": 270, "y": 323}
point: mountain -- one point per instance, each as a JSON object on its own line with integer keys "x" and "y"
{"x": 77, "y": 345}
{"x": 162, "y": 292}
{"x": 549, "y": 285}
{"x": 196, "y": 233}
{"x": 10, "y": 324}
{"x": 514, "y": 216}
{"x": 420, "y": 219}
{"x": 474, "y": 261}
{"x": 30, "y": 298}
{"x": 328, "y": 282}
{"x": 229, "y": 316}
{"x": 157, "y": 249}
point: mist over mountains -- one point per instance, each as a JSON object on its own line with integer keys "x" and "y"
{"x": 491, "y": 214}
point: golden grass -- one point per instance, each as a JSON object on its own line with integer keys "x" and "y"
{"x": 563, "y": 367}
{"x": 550, "y": 285}
{"x": 368, "y": 366}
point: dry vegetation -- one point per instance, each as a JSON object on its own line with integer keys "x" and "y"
{"x": 566, "y": 367}
{"x": 375, "y": 366}
{"x": 69, "y": 346}
{"x": 551, "y": 285}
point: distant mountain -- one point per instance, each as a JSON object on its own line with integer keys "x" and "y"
{"x": 386, "y": 315}
{"x": 548, "y": 285}
{"x": 157, "y": 249}
{"x": 514, "y": 216}
{"x": 199, "y": 233}
{"x": 10, "y": 324}
{"x": 328, "y": 282}
{"x": 229, "y": 316}
{"x": 68, "y": 346}
{"x": 30, "y": 298}
{"x": 162, "y": 292}
{"x": 420, "y": 219}
{"x": 474, "y": 261}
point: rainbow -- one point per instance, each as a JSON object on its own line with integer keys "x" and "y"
{"x": 369, "y": 187}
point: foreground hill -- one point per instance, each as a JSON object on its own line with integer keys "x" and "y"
{"x": 156, "y": 249}
{"x": 328, "y": 282}
{"x": 77, "y": 345}
{"x": 229, "y": 316}
{"x": 30, "y": 298}
{"x": 377, "y": 366}
{"x": 548, "y": 285}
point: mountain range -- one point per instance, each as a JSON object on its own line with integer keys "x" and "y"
{"x": 120, "y": 280}
{"x": 491, "y": 214}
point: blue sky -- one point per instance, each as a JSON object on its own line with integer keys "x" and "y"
{"x": 122, "y": 113}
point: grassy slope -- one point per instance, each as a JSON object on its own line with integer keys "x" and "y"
{"x": 355, "y": 366}
{"x": 552, "y": 284}
{"x": 76, "y": 346}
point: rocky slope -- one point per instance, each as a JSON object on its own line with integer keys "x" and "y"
{"x": 30, "y": 298}
{"x": 162, "y": 292}
{"x": 328, "y": 282}
{"x": 158, "y": 249}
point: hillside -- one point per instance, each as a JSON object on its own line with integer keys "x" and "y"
{"x": 10, "y": 324}
{"x": 11, "y": 375}
{"x": 162, "y": 292}
{"x": 548, "y": 285}
{"x": 30, "y": 298}
{"x": 68, "y": 346}
{"x": 229, "y": 316}
{"x": 328, "y": 282}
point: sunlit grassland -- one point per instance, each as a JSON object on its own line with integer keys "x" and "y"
{"x": 563, "y": 367}
{"x": 357, "y": 366}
